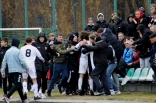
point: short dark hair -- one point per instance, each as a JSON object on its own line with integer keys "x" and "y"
{"x": 28, "y": 39}
{"x": 59, "y": 34}
{"x": 4, "y": 39}
{"x": 121, "y": 33}
{"x": 100, "y": 30}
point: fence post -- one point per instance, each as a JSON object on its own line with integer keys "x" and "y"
{"x": 75, "y": 22}
{"x": 83, "y": 14}
{"x": 26, "y": 15}
{"x": 54, "y": 15}
{"x": 115, "y": 6}
{"x": 1, "y": 17}
{"x": 149, "y": 3}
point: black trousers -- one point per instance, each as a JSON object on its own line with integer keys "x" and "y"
{"x": 5, "y": 80}
{"x": 17, "y": 85}
{"x": 42, "y": 80}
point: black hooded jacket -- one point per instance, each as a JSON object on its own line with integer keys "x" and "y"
{"x": 89, "y": 28}
{"x": 120, "y": 27}
{"x": 143, "y": 44}
{"x": 2, "y": 53}
{"x": 44, "y": 50}
{"x": 109, "y": 37}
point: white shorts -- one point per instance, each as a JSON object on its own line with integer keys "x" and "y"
{"x": 32, "y": 74}
{"x": 83, "y": 67}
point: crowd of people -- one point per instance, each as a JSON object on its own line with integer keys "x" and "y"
{"x": 88, "y": 63}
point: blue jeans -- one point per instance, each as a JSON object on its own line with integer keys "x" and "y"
{"x": 58, "y": 69}
{"x": 112, "y": 85}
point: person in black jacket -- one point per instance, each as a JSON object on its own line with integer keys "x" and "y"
{"x": 4, "y": 48}
{"x": 90, "y": 25}
{"x": 153, "y": 52}
{"x": 153, "y": 19}
{"x": 42, "y": 68}
{"x": 143, "y": 45}
{"x": 101, "y": 63}
{"x": 73, "y": 65}
{"x": 100, "y": 23}
{"x": 119, "y": 26}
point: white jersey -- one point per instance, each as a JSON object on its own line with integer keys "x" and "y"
{"x": 30, "y": 53}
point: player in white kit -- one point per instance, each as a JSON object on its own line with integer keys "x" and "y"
{"x": 30, "y": 53}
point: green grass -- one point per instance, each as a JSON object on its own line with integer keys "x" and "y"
{"x": 127, "y": 96}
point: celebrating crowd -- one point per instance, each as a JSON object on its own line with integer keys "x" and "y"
{"x": 87, "y": 63}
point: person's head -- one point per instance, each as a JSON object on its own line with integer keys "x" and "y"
{"x": 153, "y": 7}
{"x": 121, "y": 36}
{"x": 73, "y": 37}
{"x": 153, "y": 28}
{"x": 153, "y": 14}
{"x": 127, "y": 42}
{"x": 99, "y": 32}
{"x": 140, "y": 28}
{"x": 42, "y": 38}
{"x": 92, "y": 37}
{"x": 4, "y": 42}
{"x": 84, "y": 35}
{"x": 51, "y": 37}
{"x": 15, "y": 42}
{"x": 115, "y": 19}
{"x": 90, "y": 21}
{"x": 28, "y": 40}
{"x": 113, "y": 14}
{"x": 138, "y": 14}
{"x": 59, "y": 37}
{"x": 33, "y": 39}
{"x": 153, "y": 38}
{"x": 100, "y": 17}
{"x": 142, "y": 9}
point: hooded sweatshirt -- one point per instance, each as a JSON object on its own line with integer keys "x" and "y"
{"x": 143, "y": 44}
{"x": 14, "y": 59}
{"x": 44, "y": 49}
{"x": 100, "y": 24}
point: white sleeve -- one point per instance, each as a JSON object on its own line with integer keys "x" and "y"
{"x": 77, "y": 47}
{"x": 38, "y": 54}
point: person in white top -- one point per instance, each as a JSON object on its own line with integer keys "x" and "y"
{"x": 30, "y": 53}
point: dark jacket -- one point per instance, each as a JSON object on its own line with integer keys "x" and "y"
{"x": 120, "y": 27}
{"x": 108, "y": 36}
{"x": 60, "y": 47}
{"x": 153, "y": 55}
{"x": 44, "y": 50}
{"x": 143, "y": 44}
{"x": 100, "y": 53}
{"x": 73, "y": 61}
{"x": 111, "y": 55}
{"x": 132, "y": 27}
{"x": 89, "y": 28}
{"x": 100, "y": 24}
{"x": 153, "y": 22}
{"x": 2, "y": 53}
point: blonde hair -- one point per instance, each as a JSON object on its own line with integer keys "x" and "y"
{"x": 51, "y": 34}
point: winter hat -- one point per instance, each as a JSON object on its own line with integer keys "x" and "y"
{"x": 15, "y": 42}
{"x": 152, "y": 35}
{"x": 72, "y": 35}
{"x": 142, "y": 9}
{"x": 115, "y": 17}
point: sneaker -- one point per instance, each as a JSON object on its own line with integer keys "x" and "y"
{"x": 125, "y": 80}
{"x": 37, "y": 98}
{"x": 59, "y": 89}
{"x": 11, "y": 97}
{"x": 117, "y": 92}
{"x": 91, "y": 92}
{"x": 80, "y": 92}
{"x": 98, "y": 93}
{"x": 112, "y": 92}
{"x": 24, "y": 101}
{"x": 43, "y": 96}
{"x": 6, "y": 99}
{"x": 4, "y": 96}
{"x": 40, "y": 91}
{"x": 49, "y": 93}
